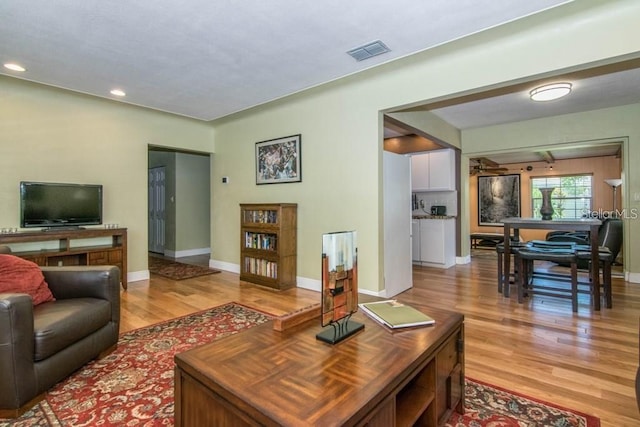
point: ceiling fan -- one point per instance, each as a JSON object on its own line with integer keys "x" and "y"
{"x": 482, "y": 165}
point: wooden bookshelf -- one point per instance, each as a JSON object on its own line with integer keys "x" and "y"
{"x": 268, "y": 244}
{"x": 71, "y": 247}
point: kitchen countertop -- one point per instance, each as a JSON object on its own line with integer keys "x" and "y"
{"x": 433, "y": 217}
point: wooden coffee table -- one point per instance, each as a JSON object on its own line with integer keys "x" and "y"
{"x": 378, "y": 377}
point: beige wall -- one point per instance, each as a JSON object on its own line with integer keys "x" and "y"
{"x": 340, "y": 152}
{"x": 48, "y": 134}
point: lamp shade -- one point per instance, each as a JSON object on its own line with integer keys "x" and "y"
{"x": 613, "y": 182}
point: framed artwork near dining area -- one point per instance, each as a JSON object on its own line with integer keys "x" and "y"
{"x": 498, "y": 198}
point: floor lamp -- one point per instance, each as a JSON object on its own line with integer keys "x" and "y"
{"x": 614, "y": 183}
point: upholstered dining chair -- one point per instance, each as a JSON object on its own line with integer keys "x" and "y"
{"x": 557, "y": 252}
{"x": 610, "y": 236}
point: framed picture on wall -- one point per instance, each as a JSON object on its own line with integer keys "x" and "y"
{"x": 278, "y": 160}
{"x": 498, "y": 198}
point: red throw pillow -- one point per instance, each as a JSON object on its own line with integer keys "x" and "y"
{"x": 18, "y": 275}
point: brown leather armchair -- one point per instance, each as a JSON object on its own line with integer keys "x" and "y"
{"x": 41, "y": 345}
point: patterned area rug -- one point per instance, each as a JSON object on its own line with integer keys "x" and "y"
{"x": 177, "y": 270}
{"x": 491, "y": 406}
{"x": 134, "y": 384}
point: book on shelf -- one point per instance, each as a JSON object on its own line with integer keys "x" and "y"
{"x": 395, "y": 314}
{"x": 260, "y": 241}
{"x": 261, "y": 267}
{"x": 261, "y": 216}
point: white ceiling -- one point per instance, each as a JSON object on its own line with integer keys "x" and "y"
{"x": 209, "y": 58}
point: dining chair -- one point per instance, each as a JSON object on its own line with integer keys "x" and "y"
{"x": 557, "y": 252}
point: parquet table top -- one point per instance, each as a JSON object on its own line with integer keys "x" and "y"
{"x": 293, "y": 379}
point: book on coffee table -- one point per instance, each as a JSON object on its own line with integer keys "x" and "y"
{"x": 395, "y": 314}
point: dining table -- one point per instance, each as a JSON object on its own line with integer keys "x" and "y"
{"x": 513, "y": 225}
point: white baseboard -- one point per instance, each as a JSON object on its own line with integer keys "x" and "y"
{"x": 632, "y": 277}
{"x": 382, "y": 293}
{"x": 311, "y": 284}
{"x": 302, "y": 282}
{"x": 136, "y": 276}
{"x": 188, "y": 252}
{"x": 434, "y": 265}
{"x": 225, "y": 266}
{"x": 316, "y": 285}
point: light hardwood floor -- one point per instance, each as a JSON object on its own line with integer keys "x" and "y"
{"x": 585, "y": 361}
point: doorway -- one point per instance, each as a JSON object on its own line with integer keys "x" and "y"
{"x": 179, "y": 201}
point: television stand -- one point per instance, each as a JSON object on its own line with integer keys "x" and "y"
{"x": 75, "y": 246}
{"x": 63, "y": 228}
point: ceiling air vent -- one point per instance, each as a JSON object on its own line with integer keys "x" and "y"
{"x": 369, "y": 50}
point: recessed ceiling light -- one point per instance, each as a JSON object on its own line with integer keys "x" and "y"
{"x": 118, "y": 92}
{"x": 550, "y": 92}
{"x": 14, "y": 67}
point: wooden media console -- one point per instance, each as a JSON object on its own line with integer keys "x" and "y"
{"x": 66, "y": 247}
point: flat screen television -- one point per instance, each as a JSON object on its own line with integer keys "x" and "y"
{"x": 48, "y": 204}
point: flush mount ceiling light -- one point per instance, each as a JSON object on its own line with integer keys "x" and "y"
{"x": 14, "y": 67}
{"x": 550, "y": 92}
{"x": 118, "y": 92}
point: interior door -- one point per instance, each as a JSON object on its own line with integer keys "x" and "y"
{"x": 415, "y": 240}
{"x": 398, "y": 275}
{"x": 156, "y": 209}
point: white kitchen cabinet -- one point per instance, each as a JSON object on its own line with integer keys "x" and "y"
{"x": 419, "y": 172}
{"x": 442, "y": 170}
{"x": 433, "y": 171}
{"x": 437, "y": 242}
